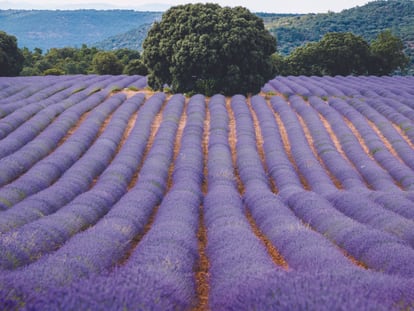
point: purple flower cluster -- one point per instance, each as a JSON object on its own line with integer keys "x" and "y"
{"x": 44, "y": 172}
{"x": 305, "y": 160}
{"x": 301, "y": 199}
{"x": 78, "y": 178}
{"x": 304, "y": 249}
{"x": 236, "y": 255}
{"x": 19, "y": 246}
{"x": 337, "y": 165}
{"x": 401, "y": 173}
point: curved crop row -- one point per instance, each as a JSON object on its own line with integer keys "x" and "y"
{"x": 299, "y": 198}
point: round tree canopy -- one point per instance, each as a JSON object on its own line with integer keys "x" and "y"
{"x": 209, "y": 49}
{"x": 11, "y": 58}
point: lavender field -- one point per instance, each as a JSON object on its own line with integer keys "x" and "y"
{"x": 116, "y": 198}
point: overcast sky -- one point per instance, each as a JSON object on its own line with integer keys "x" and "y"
{"x": 273, "y": 6}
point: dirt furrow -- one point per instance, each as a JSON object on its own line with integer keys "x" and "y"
{"x": 154, "y": 129}
{"x": 311, "y": 144}
{"x": 271, "y": 249}
{"x": 259, "y": 144}
{"x": 202, "y": 268}
{"x": 286, "y": 145}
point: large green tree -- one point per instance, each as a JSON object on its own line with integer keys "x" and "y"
{"x": 209, "y": 49}
{"x": 335, "y": 54}
{"x": 387, "y": 54}
{"x": 11, "y": 58}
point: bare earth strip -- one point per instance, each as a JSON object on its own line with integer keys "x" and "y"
{"x": 287, "y": 148}
{"x": 337, "y": 143}
{"x": 271, "y": 249}
{"x": 259, "y": 144}
{"x": 202, "y": 274}
{"x": 384, "y": 140}
{"x": 311, "y": 144}
{"x": 137, "y": 239}
{"x": 154, "y": 129}
{"x": 403, "y": 135}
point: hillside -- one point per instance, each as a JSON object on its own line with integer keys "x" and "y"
{"x": 109, "y": 29}
{"x": 367, "y": 21}
{"x": 46, "y": 29}
{"x": 131, "y": 39}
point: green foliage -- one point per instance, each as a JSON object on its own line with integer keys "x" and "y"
{"x": 347, "y": 54}
{"x": 11, "y": 58}
{"x": 106, "y": 63}
{"x": 367, "y": 21}
{"x": 53, "y": 72}
{"x": 82, "y": 60}
{"x": 388, "y": 55}
{"x": 136, "y": 67}
{"x": 209, "y": 49}
{"x": 125, "y": 56}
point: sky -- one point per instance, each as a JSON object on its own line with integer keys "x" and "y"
{"x": 271, "y": 6}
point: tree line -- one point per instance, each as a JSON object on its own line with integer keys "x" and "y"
{"x": 345, "y": 54}
{"x": 210, "y": 49}
{"x": 68, "y": 60}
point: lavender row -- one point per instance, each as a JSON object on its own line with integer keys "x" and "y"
{"x": 159, "y": 272}
{"x": 236, "y": 255}
{"x": 380, "y": 251}
{"x": 11, "y": 122}
{"x": 402, "y": 105}
{"x": 374, "y": 175}
{"x": 325, "y": 148}
{"x": 326, "y": 218}
{"x": 305, "y": 160}
{"x": 78, "y": 178}
{"x": 75, "y": 216}
{"x": 33, "y": 93}
{"x": 353, "y": 204}
{"x": 19, "y": 162}
{"x": 46, "y": 171}
{"x": 33, "y": 126}
{"x": 378, "y": 112}
{"x": 278, "y": 164}
{"x": 304, "y": 249}
{"x": 95, "y": 244}
{"x": 399, "y": 171}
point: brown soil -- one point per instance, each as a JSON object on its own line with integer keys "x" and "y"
{"x": 74, "y": 128}
{"x": 272, "y": 251}
{"x": 232, "y": 143}
{"x": 259, "y": 144}
{"x": 154, "y": 129}
{"x": 286, "y": 145}
{"x": 127, "y": 131}
{"x": 338, "y": 145}
{"x": 311, "y": 144}
{"x": 202, "y": 268}
{"x": 202, "y": 274}
{"x": 403, "y": 135}
{"x": 358, "y": 137}
{"x": 384, "y": 140}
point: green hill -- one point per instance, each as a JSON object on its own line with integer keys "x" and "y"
{"x": 131, "y": 39}
{"x": 367, "y": 21}
{"x": 46, "y": 29}
{"x": 112, "y": 29}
